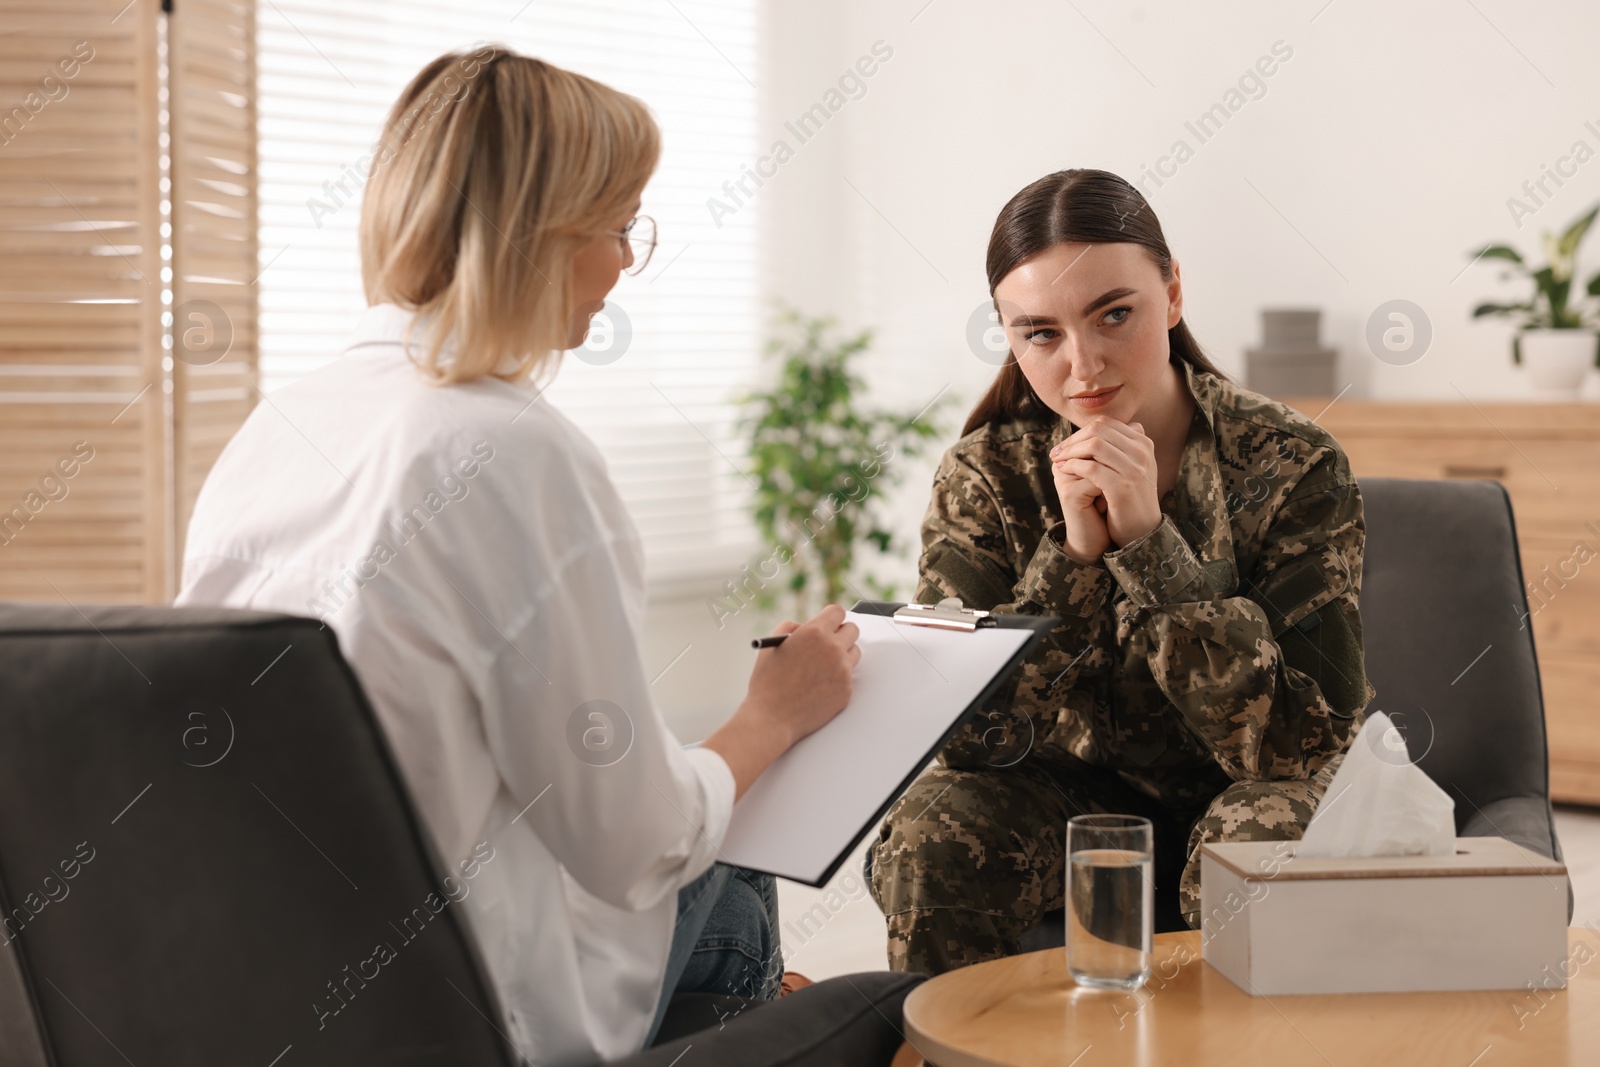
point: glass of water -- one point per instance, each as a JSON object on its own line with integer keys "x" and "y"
{"x": 1110, "y": 900}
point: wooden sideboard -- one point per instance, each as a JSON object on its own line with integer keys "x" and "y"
{"x": 1548, "y": 458}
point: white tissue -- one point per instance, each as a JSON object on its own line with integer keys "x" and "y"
{"x": 1380, "y": 803}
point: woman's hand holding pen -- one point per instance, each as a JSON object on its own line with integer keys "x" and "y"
{"x": 807, "y": 680}
{"x": 1105, "y": 474}
{"x": 795, "y": 689}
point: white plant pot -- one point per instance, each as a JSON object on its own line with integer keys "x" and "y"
{"x": 1558, "y": 360}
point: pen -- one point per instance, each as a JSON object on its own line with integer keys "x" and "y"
{"x": 767, "y": 642}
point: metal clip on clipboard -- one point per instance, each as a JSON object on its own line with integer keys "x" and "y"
{"x": 948, "y": 614}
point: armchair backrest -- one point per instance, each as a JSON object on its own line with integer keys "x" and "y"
{"x": 1449, "y": 645}
{"x": 207, "y": 854}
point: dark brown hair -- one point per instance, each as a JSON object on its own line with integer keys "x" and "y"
{"x": 1088, "y": 206}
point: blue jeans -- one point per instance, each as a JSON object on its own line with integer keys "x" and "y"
{"x": 726, "y": 939}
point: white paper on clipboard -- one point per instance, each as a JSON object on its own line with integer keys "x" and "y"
{"x": 819, "y": 799}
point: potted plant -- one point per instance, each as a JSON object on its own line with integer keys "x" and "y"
{"x": 822, "y": 463}
{"x": 1552, "y": 331}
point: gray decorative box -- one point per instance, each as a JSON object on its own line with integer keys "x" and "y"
{"x": 1291, "y": 360}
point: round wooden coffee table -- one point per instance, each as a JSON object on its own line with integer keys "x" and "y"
{"x": 1027, "y": 1010}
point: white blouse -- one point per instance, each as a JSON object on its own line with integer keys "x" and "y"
{"x": 468, "y": 548}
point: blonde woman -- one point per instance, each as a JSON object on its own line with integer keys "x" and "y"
{"x": 462, "y": 538}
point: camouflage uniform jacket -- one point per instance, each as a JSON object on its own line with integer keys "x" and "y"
{"x": 1224, "y": 645}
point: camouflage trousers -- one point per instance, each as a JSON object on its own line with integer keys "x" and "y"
{"x": 968, "y": 860}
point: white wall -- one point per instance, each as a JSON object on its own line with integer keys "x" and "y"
{"x": 1390, "y": 141}
{"x": 1381, "y": 152}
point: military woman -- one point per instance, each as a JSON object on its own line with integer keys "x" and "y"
{"x": 1202, "y": 545}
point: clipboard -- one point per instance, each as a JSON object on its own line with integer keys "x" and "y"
{"x": 805, "y": 815}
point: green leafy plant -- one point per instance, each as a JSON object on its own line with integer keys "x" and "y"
{"x": 823, "y": 462}
{"x": 1550, "y": 307}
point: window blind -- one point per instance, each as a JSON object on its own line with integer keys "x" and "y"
{"x": 662, "y": 411}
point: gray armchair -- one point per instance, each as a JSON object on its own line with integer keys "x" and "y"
{"x": 203, "y": 835}
{"x": 1452, "y": 660}
{"x": 1452, "y": 656}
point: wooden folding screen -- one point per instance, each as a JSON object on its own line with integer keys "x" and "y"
{"x": 214, "y": 248}
{"x": 104, "y": 437}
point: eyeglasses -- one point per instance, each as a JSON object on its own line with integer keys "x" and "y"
{"x": 640, "y": 234}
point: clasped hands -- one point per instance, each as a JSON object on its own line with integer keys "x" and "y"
{"x": 1105, "y": 474}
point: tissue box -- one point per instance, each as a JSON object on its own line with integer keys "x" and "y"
{"x": 1491, "y": 916}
